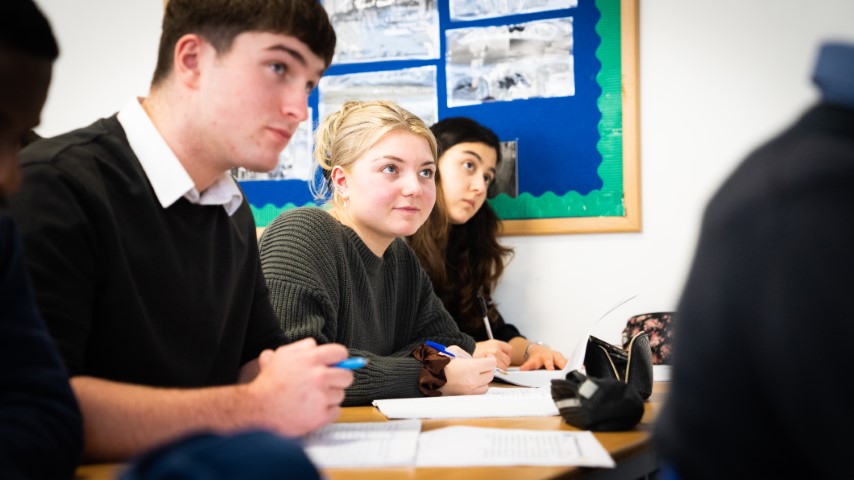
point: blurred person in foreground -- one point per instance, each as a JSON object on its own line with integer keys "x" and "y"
{"x": 758, "y": 368}
{"x": 41, "y": 430}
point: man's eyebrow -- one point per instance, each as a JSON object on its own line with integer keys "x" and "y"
{"x": 295, "y": 54}
{"x": 283, "y": 48}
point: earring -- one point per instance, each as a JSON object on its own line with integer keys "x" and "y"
{"x": 340, "y": 193}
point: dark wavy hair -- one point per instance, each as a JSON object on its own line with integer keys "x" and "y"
{"x": 220, "y": 21}
{"x": 463, "y": 261}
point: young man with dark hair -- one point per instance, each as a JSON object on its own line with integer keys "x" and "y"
{"x": 143, "y": 251}
{"x": 41, "y": 430}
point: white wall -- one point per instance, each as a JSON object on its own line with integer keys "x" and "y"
{"x": 107, "y": 53}
{"x": 716, "y": 80}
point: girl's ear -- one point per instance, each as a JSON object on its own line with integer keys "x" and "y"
{"x": 339, "y": 179}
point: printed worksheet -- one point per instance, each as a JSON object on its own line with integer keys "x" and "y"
{"x": 475, "y": 446}
{"x": 531, "y": 378}
{"x": 365, "y": 445}
{"x": 521, "y": 402}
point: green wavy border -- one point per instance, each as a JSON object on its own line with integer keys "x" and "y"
{"x": 266, "y": 214}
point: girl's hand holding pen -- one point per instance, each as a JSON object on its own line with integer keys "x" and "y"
{"x": 469, "y": 377}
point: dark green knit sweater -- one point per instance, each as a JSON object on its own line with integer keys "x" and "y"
{"x": 326, "y": 283}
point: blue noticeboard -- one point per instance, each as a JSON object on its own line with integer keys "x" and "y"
{"x": 577, "y": 160}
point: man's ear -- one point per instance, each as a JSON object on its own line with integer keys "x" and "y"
{"x": 187, "y": 60}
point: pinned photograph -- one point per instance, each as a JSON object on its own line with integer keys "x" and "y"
{"x": 412, "y": 88}
{"x": 464, "y": 10}
{"x": 379, "y": 30}
{"x": 510, "y": 62}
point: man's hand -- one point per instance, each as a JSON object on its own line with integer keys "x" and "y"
{"x": 297, "y": 389}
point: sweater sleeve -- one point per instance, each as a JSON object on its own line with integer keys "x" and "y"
{"x": 299, "y": 265}
{"x": 302, "y": 315}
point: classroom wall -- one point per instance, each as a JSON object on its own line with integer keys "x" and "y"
{"x": 716, "y": 79}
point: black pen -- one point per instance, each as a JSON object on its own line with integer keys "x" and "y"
{"x": 485, "y": 312}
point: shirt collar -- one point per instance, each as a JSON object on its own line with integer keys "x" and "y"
{"x": 167, "y": 176}
{"x": 833, "y": 72}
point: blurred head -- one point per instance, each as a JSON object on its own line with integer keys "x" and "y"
{"x": 27, "y": 51}
{"x": 468, "y": 156}
{"x": 379, "y": 162}
{"x": 219, "y": 22}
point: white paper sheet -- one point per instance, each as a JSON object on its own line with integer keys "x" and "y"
{"x": 367, "y": 444}
{"x": 531, "y": 378}
{"x": 515, "y": 402}
{"x": 519, "y": 392}
{"x": 474, "y": 446}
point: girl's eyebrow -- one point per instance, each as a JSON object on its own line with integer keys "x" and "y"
{"x": 400, "y": 160}
{"x": 475, "y": 155}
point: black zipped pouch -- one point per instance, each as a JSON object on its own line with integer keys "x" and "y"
{"x": 632, "y": 366}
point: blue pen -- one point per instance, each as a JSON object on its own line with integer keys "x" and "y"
{"x": 441, "y": 348}
{"x": 352, "y": 363}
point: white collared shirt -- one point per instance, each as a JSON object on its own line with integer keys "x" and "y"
{"x": 167, "y": 176}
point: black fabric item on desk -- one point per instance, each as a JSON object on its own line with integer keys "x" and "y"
{"x": 632, "y": 366}
{"x": 597, "y": 404}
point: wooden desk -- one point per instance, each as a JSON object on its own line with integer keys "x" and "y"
{"x": 633, "y": 451}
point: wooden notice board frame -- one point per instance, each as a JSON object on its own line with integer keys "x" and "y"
{"x": 630, "y": 221}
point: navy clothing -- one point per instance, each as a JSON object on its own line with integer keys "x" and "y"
{"x": 131, "y": 291}
{"x": 41, "y": 430}
{"x": 250, "y": 455}
{"x": 760, "y": 359}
